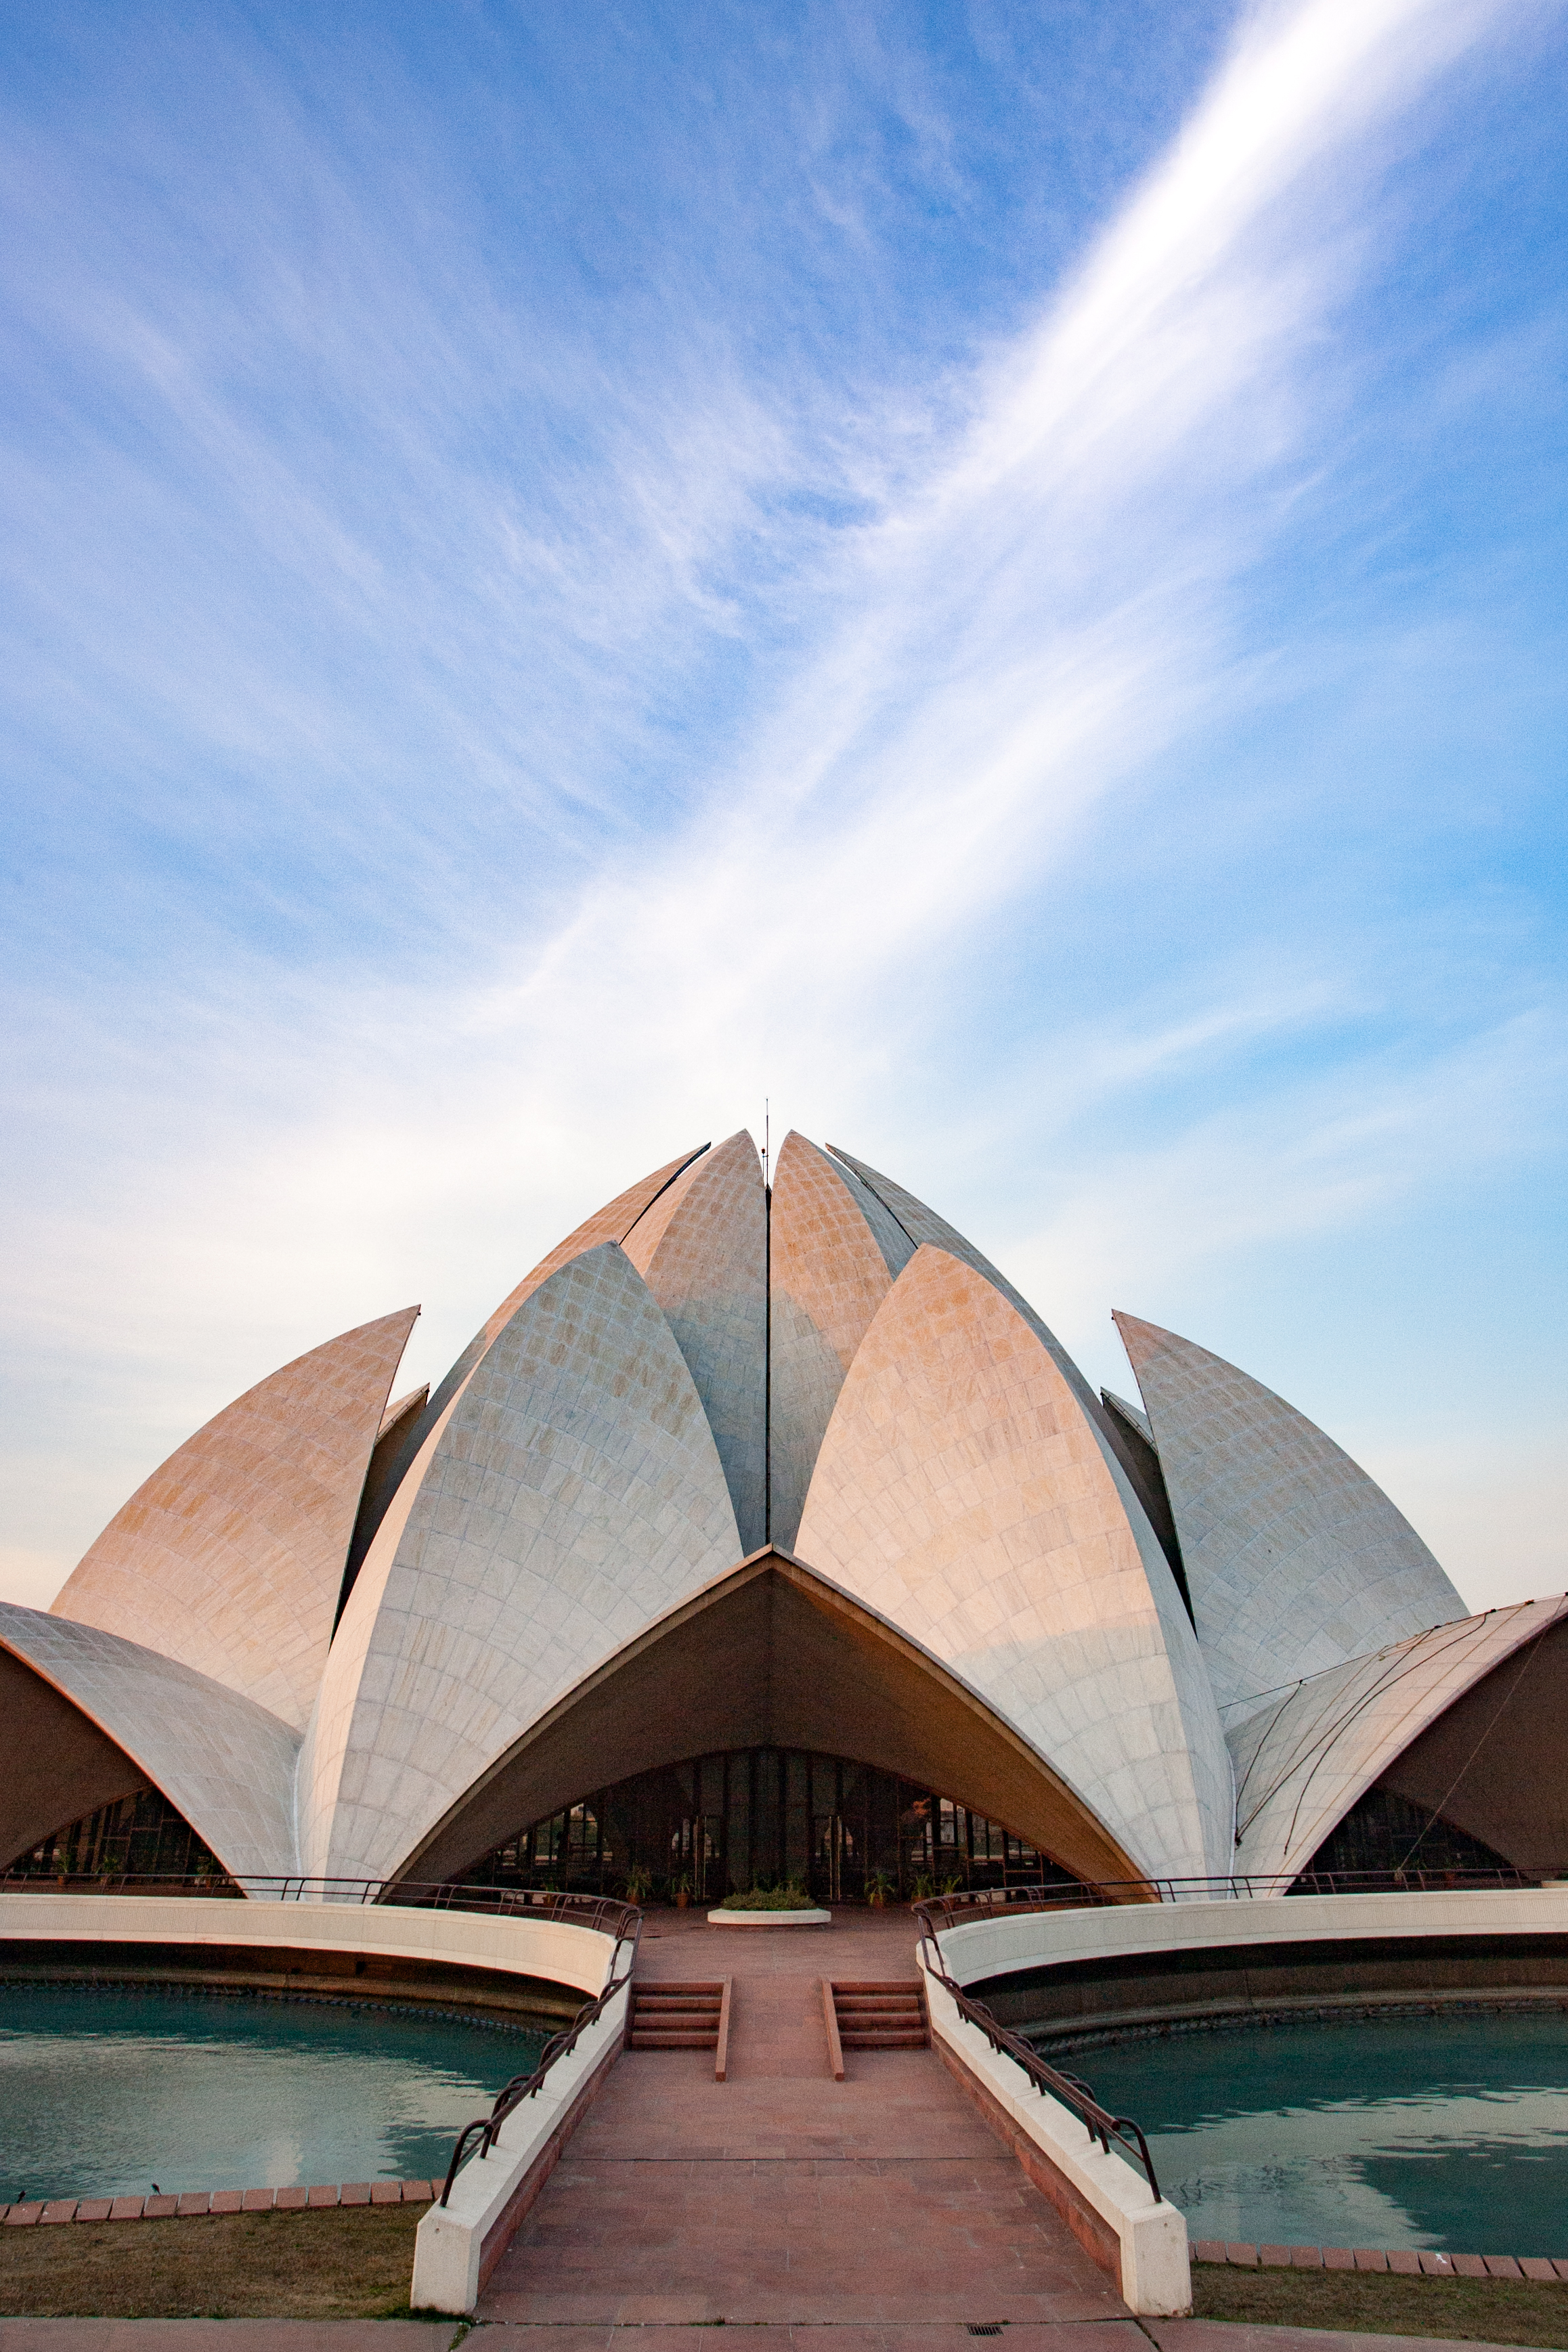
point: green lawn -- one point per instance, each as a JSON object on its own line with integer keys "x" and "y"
{"x": 1492, "y": 2311}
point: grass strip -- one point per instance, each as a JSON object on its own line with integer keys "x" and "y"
{"x": 347, "y": 2262}
{"x": 1380, "y": 2302}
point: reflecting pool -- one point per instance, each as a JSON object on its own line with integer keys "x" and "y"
{"x": 103, "y": 2093}
{"x": 1446, "y": 2132}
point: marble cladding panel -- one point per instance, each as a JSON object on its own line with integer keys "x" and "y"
{"x": 575, "y": 1495}
{"x": 1295, "y": 1560}
{"x": 1306, "y": 1756}
{"x": 961, "y": 1491}
{"x": 230, "y": 1556}
{"x": 226, "y": 1763}
{"x": 834, "y": 1250}
{"x": 702, "y": 1250}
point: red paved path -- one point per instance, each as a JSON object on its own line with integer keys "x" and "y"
{"x": 785, "y": 2197}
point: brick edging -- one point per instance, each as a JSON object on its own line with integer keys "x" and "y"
{"x": 1402, "y": 2262}
{"x": 194, "y": 2203}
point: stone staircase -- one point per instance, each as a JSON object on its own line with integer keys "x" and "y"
{"x": 880, "y": 2015}
{"x": 682, "y": 2016}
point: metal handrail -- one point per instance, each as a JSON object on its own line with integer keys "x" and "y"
{"x": 984, "y": 1901}
{"x": 601, "y": 1913}
{"x": 1072, "y": 2091}
{"x": 527, "y": 2086}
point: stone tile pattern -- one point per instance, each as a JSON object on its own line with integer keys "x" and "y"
{"x": 1295, "y": 1560}
{"x": 203, "y": 2203}
{"x": 1404, "y": 2261}
{"x": 1210, "y": 1762}
{"x": 961, "y": 1492}
{"x": 781, "y": 2195}
{"x": 1304, "y": 1759}
{"x": 230, "y": 1556}
{"x": 835, "y": 1252}
{"x": 574, "y": 1495}
{"x": 225, "y": 1763}
{"x": 702, "y": 1248}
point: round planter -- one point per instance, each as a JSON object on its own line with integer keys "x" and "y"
{"x": 722, "y": 1918}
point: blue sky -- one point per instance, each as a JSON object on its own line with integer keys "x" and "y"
{"x": 991, "y": 574}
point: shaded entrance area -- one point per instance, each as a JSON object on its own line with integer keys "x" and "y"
{"x": 775, "y": 1666}
{"x": 759, "y": 1816}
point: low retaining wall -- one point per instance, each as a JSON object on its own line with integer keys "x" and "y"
{"x": 489, "y": 1961}
{"x": 1110, "y": 2208}
{"x": 459, "y": 2245}
{"x": 1070, "y": 1975}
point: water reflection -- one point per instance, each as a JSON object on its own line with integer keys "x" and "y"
{"x": 103, "y": 2093}
{"x": 1444, "y": 2132}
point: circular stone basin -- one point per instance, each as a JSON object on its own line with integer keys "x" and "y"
{"x": 1448, "y": 2132}
{"x": 722, "y": 1918}
{"x": 104, "y": 2092}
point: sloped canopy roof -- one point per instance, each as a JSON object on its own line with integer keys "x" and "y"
{"x": 1304, "y": 1760}
{"x": 773, "y": 1653}
{"x": 962, "y": 1493}
{"x": 1295, "y": 1560}
{"x": 227, "y": 1764}
{"x": 230, "y": 1556}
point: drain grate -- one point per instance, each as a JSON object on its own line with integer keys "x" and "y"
{"x": 985, "y": 2327}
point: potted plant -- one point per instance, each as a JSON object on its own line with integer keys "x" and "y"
{"x": 878, "y": 1887}
{"x": 923, "y": 1886}
{"x": 680, "y": 1891}
{"x": 639, "y": 1885}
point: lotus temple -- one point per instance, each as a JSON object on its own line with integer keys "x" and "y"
{"x": 768, "y": 1535}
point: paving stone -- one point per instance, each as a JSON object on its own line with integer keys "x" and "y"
{"x": 1275, "y": 2258}
{"x": 290, "y": 2201}
{"x": 1244, "y": 2257}
{"x": 196, "y": 2201}
{"x": 1306, "y": 2257}
{"x": 230, "y": 2201}
{"x": 160, "y": 2208}
{"x": 94, "y": 2209}
{"x": 323, "y": 2195}
{"x": 1208, "y": 2249}
{"x": 1437, "y": 2265}
{"x": 59, "y": 2209}
{"x": 258, "y": 2200}
{"x": 1534, "y": 2267}
{"x": 385, "y": 2192}
{"x": 1502, "y": 2266}
{"x": 1371, "y": 2258}
{"x": 354, "y": 2192}
{"x": 22, "y": 2217}
{"x": 1338, "y": 2258}
{"x": 1468, "y": 2266}
{"x": 1406, "y": 2262}
{"x": 126, "y": 2208}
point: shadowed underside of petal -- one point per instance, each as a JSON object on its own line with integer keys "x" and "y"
{"x": 227, "y": 1764}
{"x": 231, "y": 1558}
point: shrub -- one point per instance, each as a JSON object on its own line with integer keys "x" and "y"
{"x": 771, "y": 1898}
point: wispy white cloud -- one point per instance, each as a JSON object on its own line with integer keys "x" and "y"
{"x": 946, "y": 698}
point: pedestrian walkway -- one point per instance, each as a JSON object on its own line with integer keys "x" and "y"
{"x": 782, "y": 2196}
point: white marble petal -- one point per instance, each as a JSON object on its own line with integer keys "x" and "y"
{"x": 1304, "y": 1758}
{"x": 963, "y": 1493}
{"x": 573, "y": 1494}
{"x": 224, "y": 1763}
{"x": 834, "y": 1253}
{"x": 702, "y": 1248}
{"x": 230, "y": 1556}
{"x": 1295, "y": 1560}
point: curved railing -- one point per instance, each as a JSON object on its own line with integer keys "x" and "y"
{"x": 601, "y": 1913}
{"x": 985, "y": 1902}
{"x": 526, "y": 2086}
{"x": 1072, "y": 2091}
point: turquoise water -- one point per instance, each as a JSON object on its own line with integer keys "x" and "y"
{"x": 104, "y": 2093}
{"x": 1446, "y": 2132}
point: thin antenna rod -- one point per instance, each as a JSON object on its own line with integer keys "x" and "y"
{"x": 767, "y": 1327}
